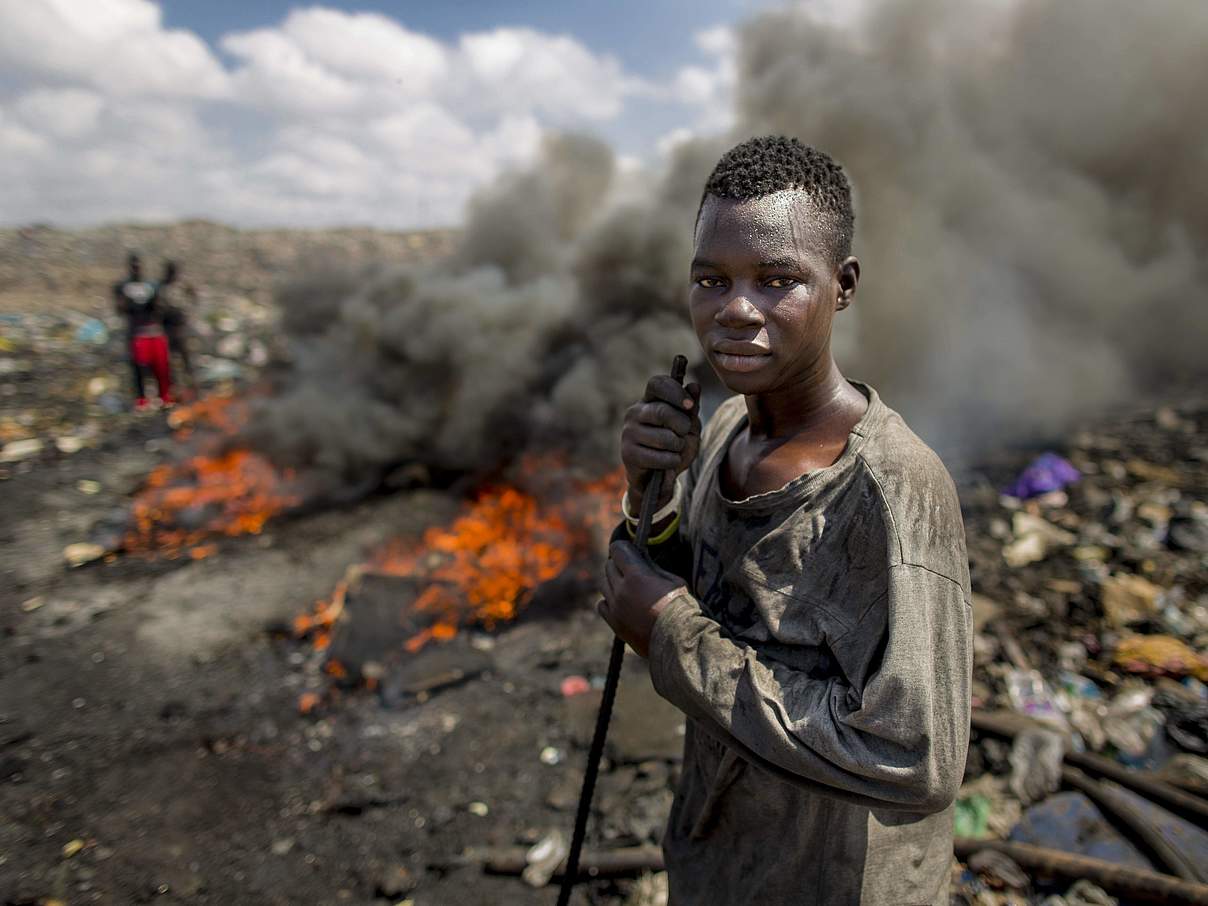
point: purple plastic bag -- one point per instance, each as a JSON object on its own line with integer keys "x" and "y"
{"x": 1047, "y": 472}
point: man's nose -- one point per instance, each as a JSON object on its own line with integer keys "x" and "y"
{"x": 740, "y": 311}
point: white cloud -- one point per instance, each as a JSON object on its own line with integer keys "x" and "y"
{"x": 278, "y": 75}
{"x": 368, "y": 45}
{"x": 64, "y": 112}
{"x": 327, "y": 117}
{"x": 17, "y": 143}
{"x": 521, "y": 69}
{"x": 119, "y": 46}
{"x": 720, "y": 41}
{"x": 711, "y": 84}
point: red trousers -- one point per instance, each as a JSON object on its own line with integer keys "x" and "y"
{"x": 152, "y": 352}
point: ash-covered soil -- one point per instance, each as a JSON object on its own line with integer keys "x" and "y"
{"x": 149, "y": 711}
{"x": 151, "y": 745}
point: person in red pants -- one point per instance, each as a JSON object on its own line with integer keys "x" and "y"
{"x": 151, "y": 351}
{"x": 135, "y": 298}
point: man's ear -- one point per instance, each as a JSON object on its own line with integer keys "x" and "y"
{"x": 849, "y": 279}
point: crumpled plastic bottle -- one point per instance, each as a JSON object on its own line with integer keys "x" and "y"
{"x": 1036, "y": 757}
{"x": 1082, "y": 893}
{"x": 1131, "y": 723}
{"x": 1030, "y": 694}
{"x": 544, "y": 857}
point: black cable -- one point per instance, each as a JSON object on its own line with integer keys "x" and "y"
{"x": 596, "y": 753}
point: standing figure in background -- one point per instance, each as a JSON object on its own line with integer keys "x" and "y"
{"x": 174, "y": 297}
{"x": 135, "y": 299}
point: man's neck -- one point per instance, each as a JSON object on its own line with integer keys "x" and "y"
{"x": 821, "y": 402}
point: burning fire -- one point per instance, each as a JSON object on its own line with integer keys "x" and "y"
{"x": 483, "y": 568}
{"x": 219, "y": 491}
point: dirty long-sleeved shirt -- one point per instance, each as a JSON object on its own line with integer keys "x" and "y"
{"x": 822, "y": 654}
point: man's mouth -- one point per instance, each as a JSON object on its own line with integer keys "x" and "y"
{"x": 740, "y": 355}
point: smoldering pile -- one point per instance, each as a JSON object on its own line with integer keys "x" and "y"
{"x": 535, "y": 333}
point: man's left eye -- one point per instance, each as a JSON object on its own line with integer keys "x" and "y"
{"x": 781, "y": 282}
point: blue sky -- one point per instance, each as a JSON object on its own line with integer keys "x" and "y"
{"x": 653, "y": 37}
{"x": 334, "y": 113}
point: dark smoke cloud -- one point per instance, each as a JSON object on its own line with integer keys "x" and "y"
{"x": 538, "y": 330}
{"x": 1029, "y": 179}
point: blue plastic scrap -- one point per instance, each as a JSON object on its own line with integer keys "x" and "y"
{"x": 1071, "y": 823}
{"x": 1047, "y": 472}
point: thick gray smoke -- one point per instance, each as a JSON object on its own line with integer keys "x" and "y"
{"x": 537, "y": 331}
{"x": 1029, "y": 182}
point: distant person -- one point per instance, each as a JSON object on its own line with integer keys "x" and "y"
{"x": 175, "y": 297}
{"x": 135, "y": 299}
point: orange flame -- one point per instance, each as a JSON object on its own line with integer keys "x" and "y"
{"x": 232, "y": 492}
{"x": 483, "y": 567}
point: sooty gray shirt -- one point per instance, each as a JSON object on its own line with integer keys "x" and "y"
{"x": 822, "y": 654}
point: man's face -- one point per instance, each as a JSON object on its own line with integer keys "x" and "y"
{"x": 764, "y": 290}
{"x": 136, "y": 270}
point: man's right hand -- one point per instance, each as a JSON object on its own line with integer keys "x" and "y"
{"x": 661, "y": 434}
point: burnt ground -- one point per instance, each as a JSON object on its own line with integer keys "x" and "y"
{"x": 148, "y": 710}
{"x": 152, "y": 749}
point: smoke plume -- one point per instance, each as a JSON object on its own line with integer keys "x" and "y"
{"x": 1029, "y": 180}
{"x": 538, "y": 330}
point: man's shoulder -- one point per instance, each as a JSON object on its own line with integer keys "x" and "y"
{"x": 895, "y": 452}
{"x": 919, "y": 496}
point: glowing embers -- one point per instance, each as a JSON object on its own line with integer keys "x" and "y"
{"x": 481, "y": 569}
{"x": 223, "y": 490}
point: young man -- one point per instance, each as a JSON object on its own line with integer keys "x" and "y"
{"x": 817, "y": 634}
{"x": 135, "y": 299}
{"x": 174, "y": 297}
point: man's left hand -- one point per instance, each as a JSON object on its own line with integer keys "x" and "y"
{"x": 634, "y": 593}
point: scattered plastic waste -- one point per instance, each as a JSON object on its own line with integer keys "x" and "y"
{"x": 574, "y": 685}
{"x": 972, "y": 816}
{"x": 1030, "y": 694}
{"x": 1070, "y": 822}
{"x": 1082, "y": 893}
{"x": 93, "y": 332}
{"x": 1129, "y": 599}
{"x": 17, "y": 450}
{"x": 1186, "y": 720}
{"x": 1036, "y": 757}
{"x": 1047, "y": 472}
{"x": 1130, "y": 723}
{"x": 1035, "y": 539}
{"x": 1160, "y": 655}
{"x": 999, "y": 869}
{"x": 544, "y": 858}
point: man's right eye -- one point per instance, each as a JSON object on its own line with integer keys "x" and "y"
{"x": 708, "y": 282}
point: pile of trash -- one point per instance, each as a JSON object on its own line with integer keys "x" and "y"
{"x": 64, "y": 376}
{"x": 1090, "y": 693}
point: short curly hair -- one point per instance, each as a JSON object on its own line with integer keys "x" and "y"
{"x": 776, "y": 163}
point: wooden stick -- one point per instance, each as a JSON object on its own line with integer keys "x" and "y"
{"x": 1145, "y": 886}
{"x": 1125, "y": 813}
{"x": 1192, "y": 808}
{"x": 1118, "y": 880}
{"x": 1183, "y": 804}
{"x": 510, "y": 860}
